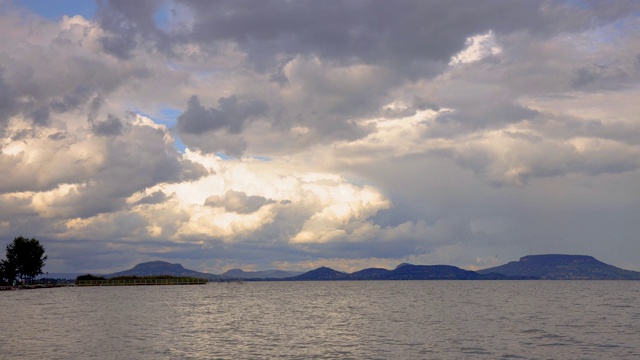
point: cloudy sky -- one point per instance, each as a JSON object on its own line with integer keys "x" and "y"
{"x": 296, "y": 134}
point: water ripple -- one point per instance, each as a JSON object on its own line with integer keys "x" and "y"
{"x": 326, "y": 320}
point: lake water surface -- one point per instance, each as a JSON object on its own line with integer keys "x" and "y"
{"x": 326, "y": 320}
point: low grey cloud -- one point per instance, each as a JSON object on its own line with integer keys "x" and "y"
{"x": 108, "y": 127}
{"x": 6, "y": 101}
{"x": 154, "y": 198}
{"x": 237, "y": 201}
{"x": 37, "y": 174}
{"x": 470, "y": 119}
{"x": 602, "y": 77}
{"x": 151, "y": 166}
{"x": 40, "y": 83}
{"x": 230, "y": 115}
{"x": 41, "y": 117}
{"x": 125, "y": 24}
{"x": 403, "y": 33}
{"x": 233, "y": 145}
{"x": 103, "y": 176}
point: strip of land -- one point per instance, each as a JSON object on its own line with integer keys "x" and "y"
{"x": 89, "y": 280}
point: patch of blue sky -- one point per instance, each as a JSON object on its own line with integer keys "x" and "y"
{"x": 586, "y": 4}
{"x": 357, "y": 181}
{"x": 224, "y": 156}
{"x": 165, "y": 116}
{"x": 178, "y": 144}
{"x": 616, "y": 31}
{"x": 262, "y": 158}
{"x": 162, "y": 17}
{"x": 174, "y": 66}
{"x": 169, "y": 116}
{"x": 54, "y": 10}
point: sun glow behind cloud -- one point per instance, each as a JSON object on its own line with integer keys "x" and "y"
{"x": 477, "y": 48}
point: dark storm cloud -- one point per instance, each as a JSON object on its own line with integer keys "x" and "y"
{"x": 40, "y": 82}
{"x": 41, "y": 117}
{"x": 153, "y": 161}
{"x": 124, "y": 21}
{"x": 371, "y": 31}
{"x": 119, "y": 46}
{"x": 398, "y": 32}
{"x": 471, "y": 118}
{"x": 114, "y": 253}
{"x": 136, "y": 159}
{"x": 36, "y": 174}
{"x": 154, "y": 198}
{"x": 600, "y": 77}
{"x": 73, "y": 99}
{"x": 23, "y": 134}
{"x": 6, "y": 101}
{"x": 130, "y": 165}
{"x": 230, "y": 115}
{"x": 405, "y": 40}
{"x": 111, "y": 126}
{"x": 57, "y": 136}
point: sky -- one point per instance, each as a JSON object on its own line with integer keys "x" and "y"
{"x": 298, "y": 134}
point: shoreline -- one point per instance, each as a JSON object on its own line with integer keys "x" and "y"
{"x": 32, "y": 287}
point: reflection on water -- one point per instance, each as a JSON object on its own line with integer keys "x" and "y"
{"x": 331, "y": 320}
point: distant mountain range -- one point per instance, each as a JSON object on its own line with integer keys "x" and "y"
{"x": 165, "y": 268}
{"x": 531, "y": 267}
{"x": 404, "y": 272}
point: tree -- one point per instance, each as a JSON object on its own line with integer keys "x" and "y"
{"x": 7, "y": 272}
{"x": 3, "y": 272}
{"x": 25, "y": 259}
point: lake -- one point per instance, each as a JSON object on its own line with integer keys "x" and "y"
{"x": 326, "y": 320}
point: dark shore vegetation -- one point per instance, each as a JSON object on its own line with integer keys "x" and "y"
{"x": 24, "y": 261}
{"x": 91, "y": 280}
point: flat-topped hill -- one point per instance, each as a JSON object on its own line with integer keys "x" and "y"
{"x": 155, "y": 268}
{"x": 563, "y": 267}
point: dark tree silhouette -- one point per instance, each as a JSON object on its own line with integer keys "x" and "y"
{"x": 25, "y": 259}
{"x": 6, "y": 272}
